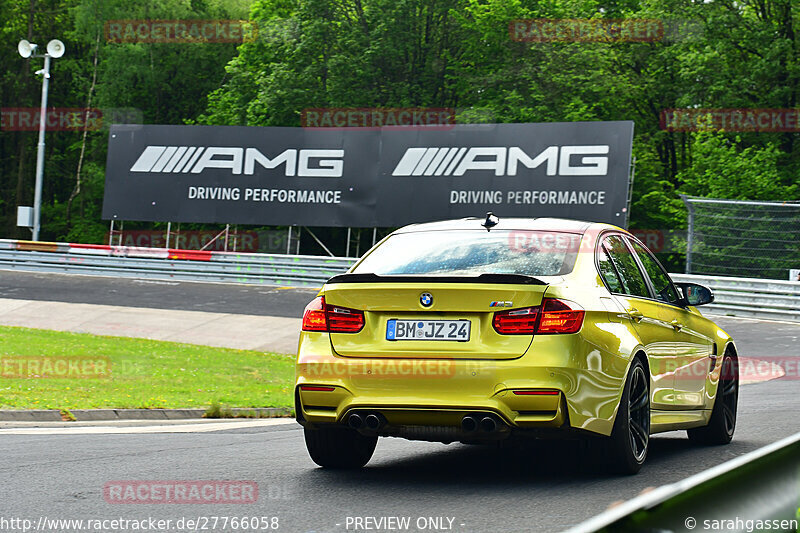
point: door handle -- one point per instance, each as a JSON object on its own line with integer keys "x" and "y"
{"x": 677, "y": 325}
{"x": 635, "y": 314}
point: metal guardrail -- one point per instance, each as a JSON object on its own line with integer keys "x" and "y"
{"x": 749, "y": 297}
{"x": 763, "y": 485}
{"x": 227, "y": 267}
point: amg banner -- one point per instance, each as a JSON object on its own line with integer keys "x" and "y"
{"x": 367, "y": 177}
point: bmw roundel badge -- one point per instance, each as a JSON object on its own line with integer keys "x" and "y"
{"x": 426, "y": 299}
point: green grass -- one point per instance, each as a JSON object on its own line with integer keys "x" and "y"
{"x": 144, "y": 374}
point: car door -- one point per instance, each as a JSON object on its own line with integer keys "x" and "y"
{"x": 629, "y": 287}
{"x": 692, "y": 348}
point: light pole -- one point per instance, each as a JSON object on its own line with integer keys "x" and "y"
{"x": 55, "y": 49}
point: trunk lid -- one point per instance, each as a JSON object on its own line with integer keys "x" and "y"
{"x": 398, "y": 298}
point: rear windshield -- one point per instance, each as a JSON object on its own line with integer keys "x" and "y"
{"x": 474, "y": 252}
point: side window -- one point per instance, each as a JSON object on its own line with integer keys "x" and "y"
{"x": 607, "y": 271}
{"x": 665, "y": 290}
{"x": 631, "y": 277}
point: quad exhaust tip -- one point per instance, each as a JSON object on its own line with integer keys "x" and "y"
{"x": 355, "y": 421}
{"x": 472, "y": 423}
{"x": 488, "y": 424}
{"x": 469, "y": 424}
{"x": 372, "y": 421}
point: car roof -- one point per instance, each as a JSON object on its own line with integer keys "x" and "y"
{"x": 529, "y": 224}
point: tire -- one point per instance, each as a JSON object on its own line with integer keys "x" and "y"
{"x": 626, "y": 449}
{"x": 722, "y": 423}
{"x": 339, "y": 447}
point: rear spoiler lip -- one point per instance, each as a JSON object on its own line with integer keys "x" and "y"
{"x": 504, "y": 279}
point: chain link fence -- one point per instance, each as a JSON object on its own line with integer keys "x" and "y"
{"x": 743, "y": 238}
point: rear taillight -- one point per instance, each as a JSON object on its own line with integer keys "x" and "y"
{"x": 319, "y": 316}
{"x": 516, "y": 321}
{"x": 553, "y": 316}
{"x": 343, "y": 319}
{"x": 560, "y": 316}
{"x": 314, "y": 315}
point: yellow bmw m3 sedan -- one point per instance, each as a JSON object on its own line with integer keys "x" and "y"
{"x": 480, "y": 330}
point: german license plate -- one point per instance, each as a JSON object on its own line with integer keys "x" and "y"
{"x": 427, "y": 330}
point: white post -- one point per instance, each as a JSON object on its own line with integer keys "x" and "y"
{"x": 690, "y": 234}
{"x": 37, "y": 196}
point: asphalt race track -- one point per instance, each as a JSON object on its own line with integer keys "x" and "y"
{"x": 540, "y": 488}
{"x": 187, "y": 296}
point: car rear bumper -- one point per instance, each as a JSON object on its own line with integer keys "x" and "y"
{"x": 561, "y": 383}
{"x": 515, "y": 411}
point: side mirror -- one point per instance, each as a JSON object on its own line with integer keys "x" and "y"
{"x": 694, "y": 294}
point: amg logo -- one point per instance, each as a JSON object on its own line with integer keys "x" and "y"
{"x": 191, "y": 159}
{"x": 504, "y": 161}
